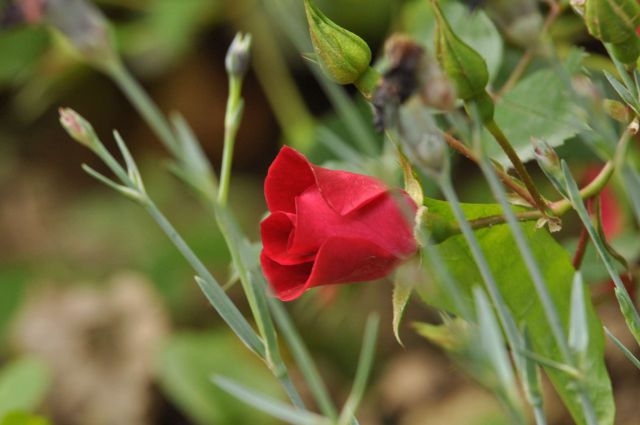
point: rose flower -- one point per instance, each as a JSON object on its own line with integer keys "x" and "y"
{"x": 329, "y": 227}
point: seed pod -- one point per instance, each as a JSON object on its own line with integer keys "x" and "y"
{"x": 343, "y": 55}
{"x": 615, "y": 22}
{"x": 464, "y": 66}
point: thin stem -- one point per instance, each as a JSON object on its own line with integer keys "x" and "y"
{"x": 143, "y": 104}
{"x": 289, "y": 108}
{"x": 581, "y": 249}
{"x": 219, "y": 299}
{"x": 525, "y": 60}
{"x": 502, "y": 140}
{"x": 303, "y": 358}
{"x": 505, "y": 177}
{"x": 231, "y": 124}
{"x": 517, "y": 73}
{"x": 540, "y": 285}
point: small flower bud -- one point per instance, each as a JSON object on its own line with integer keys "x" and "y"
{"x": 77, "y": 127}
{"x": 546, "y": 155}
{"x": 238, "y": 56}
{"x": 84, "y": 26}
{"x": 549, "y": 163}
{"x": 464, "y": 66}
{"x": 615, "y": 22}
{"x": 343, "y": 55}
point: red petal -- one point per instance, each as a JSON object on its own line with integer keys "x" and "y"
{"x": 276, "y": 231}
{"x": 346, "y": 191}
{"x": 289, "y": 175}
{"x": 381, "y": 221}
{"x": 287, "y": 282}
{"x": 345, "y": 260}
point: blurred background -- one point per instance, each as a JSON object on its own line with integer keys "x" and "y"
{"x": 100, "y": 320}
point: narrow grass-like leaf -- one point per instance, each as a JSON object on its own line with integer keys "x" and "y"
{"x": 269, "y": 405}
{"x": 578, "y": 325}
{"x": 532, "y": 383}
{"x": 632, "y": 187}
{"x": 130, "y": 193}
{"x": 362, "y": 373}
{"x": 132, "y": 168}
{"x": 632, "y": 358}
{"x": 339, "y": 147}
{"x": 231, "y": 315}
{"x": 493, "y": 344}
{"x": 623, "y": 92}
{"x": 629, "y": 311}
{"x": 303, "y": 358}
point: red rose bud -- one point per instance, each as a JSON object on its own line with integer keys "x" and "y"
{"x": 329, "y": 227}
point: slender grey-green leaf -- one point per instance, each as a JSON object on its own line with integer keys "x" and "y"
{"x": 269, "y": 405}
{"x": 623, "y": 92}
{"x": 493, "y": 344}
{"x": 362, "y": 373}
{"x": 633, "y": 359}
{"x": 630, "y": 312}
{"x": 578, "y": 325}
{"x": 230, "y": 314}
{"x": 128, "y": 192}
{"x": 303, "y": 359}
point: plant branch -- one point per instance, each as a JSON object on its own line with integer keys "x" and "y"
{"x": 504, "y": 176}
{"x": 504, "y": 143}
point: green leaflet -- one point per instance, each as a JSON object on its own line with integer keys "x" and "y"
{"x": 537, "y": 107}
{"x": 188, "y": 361}
{"x": 517, "y": 289}
{"x": 23, "y": 385}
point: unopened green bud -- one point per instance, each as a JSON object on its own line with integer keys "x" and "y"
{"x": 464, "y": 66}
{"x": 343, "y": 55}
{"x": 77, "y": 127}
{"x": 238, "y": 55}
{"x": 615, "y": 22}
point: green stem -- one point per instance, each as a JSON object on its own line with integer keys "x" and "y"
{"x": 540, "y": 285}
{"x": 502, "y": 140}
{"x": 143, "y": 104}
{"x": 232, "y": 120}
{"x": 303, "y": 358}
{"x": 289, "y": 108}
{"x": 367, "y": 83}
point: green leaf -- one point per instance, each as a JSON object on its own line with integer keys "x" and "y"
{"x": 273, "y": 407}
{"x": 23, "y": 418}
{"x": 578, "y": 332}
{"x": 186, "y": 364}
{"x": 20, "y": 50}
{"x": 23, "y": 385}
{"x": 537, "y": 107}
{"x": 519, "y": 293}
